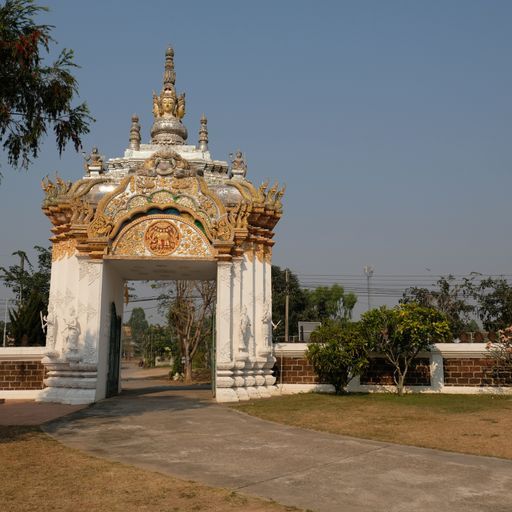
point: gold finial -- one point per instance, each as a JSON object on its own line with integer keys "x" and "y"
{"x": 135, "y": 137}
{"x": 169, "y": 73}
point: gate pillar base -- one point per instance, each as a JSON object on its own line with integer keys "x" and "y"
{"x": 68, "y": 382}
{"x": 226, "y": 395}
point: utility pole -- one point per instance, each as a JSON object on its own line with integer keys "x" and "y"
{"x": 368, "y": 271}
{"x": 5, "y": 320}
{"x": 286, "y": 306}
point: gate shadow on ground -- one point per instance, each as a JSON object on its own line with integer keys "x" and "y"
{"x": 163, "y": 388}
{"x": 131, "y": 403}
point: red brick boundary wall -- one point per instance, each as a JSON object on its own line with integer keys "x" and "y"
{"x": 473, "y": 372}
{"x": 447, "y": 368}
{"x": 21, "y": 375}
{"x": 295, "y": 370}
{"x": 380, "y": 372}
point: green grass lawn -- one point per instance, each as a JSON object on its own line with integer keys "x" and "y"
{"x": 477, "y": 424}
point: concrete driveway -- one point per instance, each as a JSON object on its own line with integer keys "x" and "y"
{"x": 183, "y": 433}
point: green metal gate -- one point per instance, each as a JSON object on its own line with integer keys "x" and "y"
{"x": 114, "y": 353}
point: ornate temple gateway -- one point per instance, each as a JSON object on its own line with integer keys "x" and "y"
{"x": 166, "y": 210}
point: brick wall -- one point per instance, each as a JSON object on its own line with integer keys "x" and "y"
{"x": 21, "y": 375}
{"x": 473, "y": 372}
{"x": 379, "y": 371}
{"x": 295, "y": 370}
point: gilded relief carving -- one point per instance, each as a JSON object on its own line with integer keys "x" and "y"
{"x": 162, "y": 238}
{"x": 162, "y": 235}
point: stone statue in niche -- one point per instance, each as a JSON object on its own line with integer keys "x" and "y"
{"x": 245, "y": 330}
{"x": 49, "y": 325}
{"x": 72, "y": 333}
{"x": 266, "y": 320}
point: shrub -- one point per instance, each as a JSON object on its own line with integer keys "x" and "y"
{"x": 337, "y": 353}
{"x": 401, "y": 333}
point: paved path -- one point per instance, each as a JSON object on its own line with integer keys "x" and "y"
{"x": 183, "y": 433}
{"x": 28, "y": 412}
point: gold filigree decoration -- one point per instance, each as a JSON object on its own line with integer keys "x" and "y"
{"x": 222, "y": 230}
{"x": 100, "y": 227}
{"x": 162, "y": 197}
{"x": 162, "y": 238}
{"x": 63, "y": 249}
{"x": 185, "y": 184}
{"x": 165, "y": 163}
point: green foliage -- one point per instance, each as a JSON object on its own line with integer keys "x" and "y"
{"x": 139, "y": 327}
{"x": 402, "y": 333}
{"x": 494, "y": 303}
{"x": 329, "y": 303}
{"x": 450, "y": 298}
{"x": 22, "y": 279}
{"x": 35, "y": 97}
{"x": 501, "y": 354}
{"x": 321, "y": 304}
{"x": 338, "y": 352}
{"x": 190, "y": 309}
{"x": 25, "y": 322}
{"x": 156, "y": 342}
{"x": 297, "y": 301}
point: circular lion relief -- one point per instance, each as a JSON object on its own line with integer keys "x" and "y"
{"x": 162, "y": 238}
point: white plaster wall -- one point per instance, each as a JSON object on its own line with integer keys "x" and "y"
{"x": 111, "y": 291}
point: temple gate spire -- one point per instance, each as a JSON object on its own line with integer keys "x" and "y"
{"x": 168, "y": 109}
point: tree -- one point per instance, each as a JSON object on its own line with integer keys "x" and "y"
{"x": 338, "y": 352}
{"x": 35, "y": 97}
{"x": 156, "y": 342}
{"x": 190, "y": 308}
{"x": 401, "y": 333}
{"x": 501, "y": 354}
{"x": 494, "y": 303}
{"x": 329, "y": 303}
{"x": 450, "y": 298}
{"x": 22, "y": 279}
{"x": 297, "y": 300}
{"x": 25, "y": 322}
{"x": 139, "y": 327}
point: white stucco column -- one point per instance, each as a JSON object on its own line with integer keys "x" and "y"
{"x": 248, "y": 309}
{"x": 261, "y": 350}
{"x": 225, "y": 364}
{"x": 240, "y": 350}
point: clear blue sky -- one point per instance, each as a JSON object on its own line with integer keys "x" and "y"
{"x": 390, "y": 122}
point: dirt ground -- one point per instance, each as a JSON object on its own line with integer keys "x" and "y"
{"x": 37, "y": 472}
{"x": 479, "y": 425}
